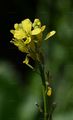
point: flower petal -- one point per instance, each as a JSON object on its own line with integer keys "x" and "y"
{"x": 16, "y": 26}
{"x": 26, "y": 61}
{"x": 20, "y": 44}
{"x": 43, "y": 28}
{"x": 12, "y": 31}
{"x": 28, "y": 40}
{"x": 36, "y": 31}
{"x": 19, "y": 34}
{"x": 27, "y": 25}
{"x": 37, "y": 23}
{"x": 50, "y": 34}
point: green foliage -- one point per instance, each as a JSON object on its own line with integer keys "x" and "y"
{"x": 16, "y": 102}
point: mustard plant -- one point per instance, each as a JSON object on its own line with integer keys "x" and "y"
{"x": 28, "y": 37}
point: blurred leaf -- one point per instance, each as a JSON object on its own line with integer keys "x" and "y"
{"x": 28, "y": 109}
{"x": 10, "y": 92}
{"x": 67, "y": 116}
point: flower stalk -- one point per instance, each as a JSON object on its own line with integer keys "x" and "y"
{"x": 47, "y": 112}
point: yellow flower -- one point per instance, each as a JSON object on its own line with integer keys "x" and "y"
{"x": 37, "y": 23}
{"x": 37, "y": 27}
{"x": 28, "y": 38}
{"x": 24, "y": 34}
{"x": 25, "y": 31}
{"x": 49, "y": 92}
{"x": 22, "y": 31}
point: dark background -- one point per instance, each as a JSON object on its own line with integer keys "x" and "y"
{"x": 10, "y": 13}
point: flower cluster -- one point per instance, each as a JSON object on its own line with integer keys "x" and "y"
{"x": 27, "y": 36}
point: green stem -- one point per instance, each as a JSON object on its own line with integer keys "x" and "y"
{"x": 44, "y": 99}
{"x": 41, "y": 67}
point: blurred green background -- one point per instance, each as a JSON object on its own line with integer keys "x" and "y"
{"x": 20, "y": 87}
